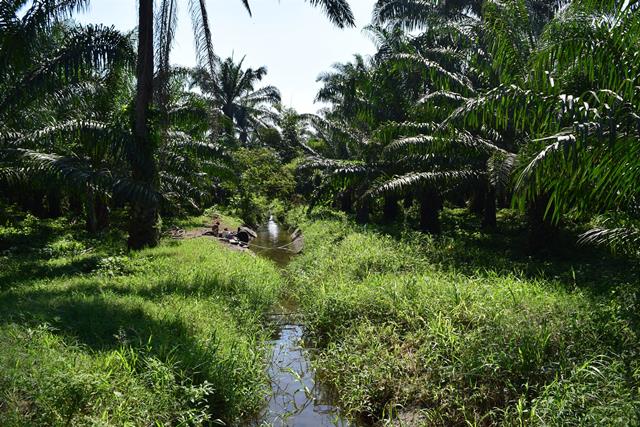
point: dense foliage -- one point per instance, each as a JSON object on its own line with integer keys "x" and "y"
{"x": 481, "y": 104}
{"x": 493, "y": 103}
{"x": 86, "y": 125}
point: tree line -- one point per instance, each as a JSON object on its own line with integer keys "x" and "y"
{"x": 532, "y": 104}
{"x": 93, "y": 119}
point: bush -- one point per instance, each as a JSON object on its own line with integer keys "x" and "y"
{"x": 263, "y": 179}
{"x": 50, "y": 380}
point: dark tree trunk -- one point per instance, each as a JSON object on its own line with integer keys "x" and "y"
{"x": 541, "y": 230}
{"x": 90, "y": 213}
{"x": 430, "y": 205}
{"x": 477, "y": 201}
{"x": 75, "y": 205}
{"x": 227, "y": 119}
{"x": 145, "y": 218}
{"x": 362, "y": 211}
{"x": 408, "y": 201}
{"x": 243, "y": 137}
{"x": 390, "y": 209}
{"x": 346, "y": 201}
{"x": 102, "y": 213}
{"x": 489, "y": 214}
{"x": 34, "y": 203}
{"x": 54, "y": 204}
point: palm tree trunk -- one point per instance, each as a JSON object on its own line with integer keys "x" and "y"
{"x": 101, "y": 208}
{"x": 145, "y": 218}
{"x": 407, "y": 202}
{"x": 75, "y": 204}
{"x": 390, "y": 209}
{"x": 243, "y": 137}
{"x": 541, "y": 230}
{"x": 477, "y": 201}
{"x": 346, "y": 201}
{"x": 227, "y": 119}
{"x": 90, "y": 212}
{"x": 54, "y": 204}
{"x": 35, "y": 204}
{"x": 362, "y": 211}
{"x": 489, "y": 215}
{"x": 430, "y": 211}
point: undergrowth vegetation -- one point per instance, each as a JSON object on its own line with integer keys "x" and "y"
{"x": 92, "y": 335}
{"x": 466, "y": 329}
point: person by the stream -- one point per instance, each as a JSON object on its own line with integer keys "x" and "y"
{"x": 215, "y": 228}
{"x": 226, "y": 234}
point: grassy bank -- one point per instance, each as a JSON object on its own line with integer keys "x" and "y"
{"x": 466, "y": 328}
{"x": 91, "y": 335}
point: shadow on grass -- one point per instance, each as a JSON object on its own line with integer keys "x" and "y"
{"x": 468, "y": 249}
{"x": 28, "y": 269}
{"x": 104, "y": 322}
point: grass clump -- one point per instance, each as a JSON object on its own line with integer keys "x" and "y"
{"x": 48, "y": 380}
{"x": 409, "y": 335}
{"x": 170, "y": 335}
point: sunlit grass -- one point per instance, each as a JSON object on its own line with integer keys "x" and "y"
{"x": 92, "y": 335}
{"x": 424, "y": 331}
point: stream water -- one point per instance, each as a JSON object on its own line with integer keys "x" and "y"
{"x": 296, "y": 398}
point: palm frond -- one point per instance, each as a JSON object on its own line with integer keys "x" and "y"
{"x": 622, "y": 238}
{"x": 338, "y": 11}
{"x": 86, "y": 51}
{"x": 202, "y": 34}
{"x": 181, "y": 140}
{"x": 417, "y": 180}
{"x": 446, "y": 77}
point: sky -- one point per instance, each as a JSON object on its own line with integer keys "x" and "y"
{"x": 295, "y": 41}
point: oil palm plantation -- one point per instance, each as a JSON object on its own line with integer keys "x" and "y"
{"x": 536, "y": 80}
{"x": 459, "y": 47}
{"x": 378, "y": 98}
{"x": 54, "y": 73}
{"x": 143, "y": 229}
{"x": 584, "y": 147}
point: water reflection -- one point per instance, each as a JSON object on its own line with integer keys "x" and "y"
{"x": 271, "y": 242}
{"x": 295, "y": 399}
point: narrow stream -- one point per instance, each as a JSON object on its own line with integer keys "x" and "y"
{"x": 296, "y": 399}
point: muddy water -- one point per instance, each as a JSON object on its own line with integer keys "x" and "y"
{"x": 296, "y": 399}
{"x": 271, "y": 237}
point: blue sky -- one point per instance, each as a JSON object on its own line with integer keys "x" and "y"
{"x": 292, "y": 39}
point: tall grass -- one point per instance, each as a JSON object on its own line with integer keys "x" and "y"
{"x": 91, "y": 335}
{"x": 413, "y": 330}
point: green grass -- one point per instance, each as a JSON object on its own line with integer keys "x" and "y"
{"x": 206, "y": 219}
{"x": 92, "y": 335}
{"x": 463, "y": 329}
{"x": 466, "y": 328}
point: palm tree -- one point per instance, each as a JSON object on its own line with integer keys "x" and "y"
{"x": 467, "y": 51}
{"x": 576, "y": 114}
{"x": 52, "y": 71}
{"x": 233, "y": 90}
{"x": 376, "y": 98}
{"x": 23, "y": 41}
{"x": 585, "y": 154}
{"x": 144, "y": 218}
{"x": 85, "y": 156}
{"x": 144, "y": 223}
